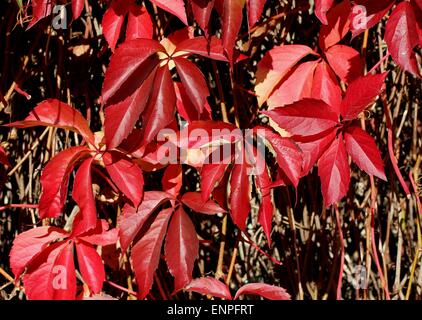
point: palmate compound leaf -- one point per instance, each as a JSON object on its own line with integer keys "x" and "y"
{"x": 181, "y": 248}
{"x": 146, "y": 252}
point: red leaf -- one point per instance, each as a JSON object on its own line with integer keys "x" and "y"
{"x": 181, "y": 248}
{"x": 121, "y": 118}
{"x": 38, "y": 279}
{"x": 211, "y": 175}
{"x": 202, "y": 12}
{"x": 367, "y": 13}
{"x": 304, "y": 118}
{"x": 313, "y": 150}
{"x": 186, "y": 108}
{"x": 29, "y": 244}
{"x": 3, "y": 157}
{"x": 275, "y": 66}
{"x": 101, "y": 236}
{"x": 296, "y": 86}
{"x": 337, "y": 27}
{"x": 209, "y": 286}
{"x": 334, "y": 172}
{"x": 126, "y": 175}
{"x": 326, "y": 87}
{"x": 176, "y": 7}
{"x": 232, "y": 20}
{"x": 160, "y": 110}
{"x": 212, "y": 49}
{"x": 91, "y": 266}
{"x": 113, "y": 21}
{"x": 345, "y": 61}
{"x": 240, "y": 194}
{"x": 40, "y": 10}
{"x": 63, "y": 276}
{"x": 77, "y": 7}
{"x": 264, "y": 290}
{"x": 55, "y": 179}
{"x": 321, "y": 9}
{"x": 132, "y": 220}
{"x": 128, "y": 69}
{"x": 194, "y": 201}
{"x": 288, "y": 155}
{"x": 146, "y": 252}
{"x": 139, "y": 24}
{"x": 172, "y": 179}
{"x": 193, "y": 82}
{"x": 57, "y": 114}
{"x": 360, "y": 93}
{"x": 364, "y": 152}
{"x": 83, "y": 195}
{"x": 402, "y": 36}
{"x": 255, "y": 8}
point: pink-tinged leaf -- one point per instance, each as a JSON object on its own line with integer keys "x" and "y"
{"x": 313, "y": 150}
{"x": 139, "y": 24}
{"x": 3, "y": 157}
{"x": 255, "y": 8}
{"x": 345, "y": 61}
{"x": 55, "y": 179}
{"x": 40, "y": 10}
{"x": 120, "y": 118}
{"x": 175, "y": 7}
{"x": 275, "y": 66}
{"x": 337, "y": 27}
{"x": 287, "y": 154}
{"x": 63, "y": 276}
{"x": 304, "y": 118}
{"x": 29, "y": 244}
{"x": 101, "y": 236}
{"x": 194, "y": 201}
{"x": 146, "y": 252}
{"x": 209, "y": 286}
{"x": 264, "y": 290}
{"x": 77, "y": 7}
{"x": 112, "y": 23}
{"x": 132, "y": 220}
{"x": 360, "y": 93}
{"x": 57, "y": 114}
{"x": 83, "y": 195}
{"x": 321, "y": 9}
{"x": 202, "y": 12}
{"x": 232, "y": 20}
{"x": 367, "y": 13}
{"x": 38, "y": 279}
{"x": 202, "y": 46}
{"x": 126, "y": 174}
{"x": 296, "y": 86}
{"x": 91, "y": 266}
{"x": 129, "y": 66}
{"x": 364, "y": 152}
{"x": 334, "y": 172}
{"x": 173, "y": 179}
{"x": 211, "y": 175}
{"x": 160, "y": 110}
{"x": 326, "y": 87}
{"x": 181, "y": 248}
{"x": 402, "y": 36}
{"x": 240, "y": 189}
{"x": 193, "y": 82}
